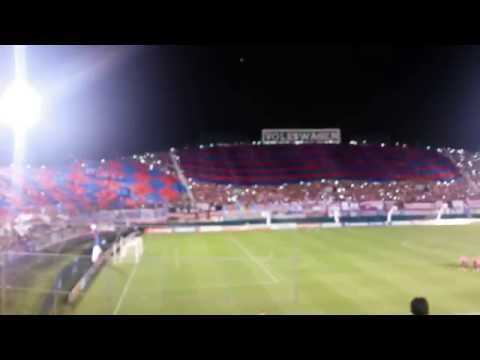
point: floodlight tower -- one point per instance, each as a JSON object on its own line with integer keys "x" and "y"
{"x": 20, "y": 105}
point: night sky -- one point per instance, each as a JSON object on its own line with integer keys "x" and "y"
{"x": 113, "y": 100}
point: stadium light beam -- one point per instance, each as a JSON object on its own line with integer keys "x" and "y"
{"x": 20, "y": 105}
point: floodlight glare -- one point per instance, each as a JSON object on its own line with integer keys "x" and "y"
{"x": 20, "y": 106}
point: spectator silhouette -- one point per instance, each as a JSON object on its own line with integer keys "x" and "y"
{"x": 419, "y": 306}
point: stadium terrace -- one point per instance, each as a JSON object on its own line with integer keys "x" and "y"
{"x": 219, "y": 180}
{"x": 47, "y": 211}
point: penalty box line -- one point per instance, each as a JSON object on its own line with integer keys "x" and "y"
{"x": 255, "y": 261}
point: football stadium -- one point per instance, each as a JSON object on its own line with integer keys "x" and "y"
{"x": 298, "y": 221}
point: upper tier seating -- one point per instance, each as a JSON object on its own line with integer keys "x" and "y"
{"x": 246, "y": 165}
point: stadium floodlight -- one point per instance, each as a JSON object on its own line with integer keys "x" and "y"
{"x": 20, "y": 105}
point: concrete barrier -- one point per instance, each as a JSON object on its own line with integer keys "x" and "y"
{"x": 186, "y": 229}
{"x": 446, "y": 222}
{"x": 286, "y": 226}
{"x": 211, "y": 228}
{"x": 292, "y": 226}
{"x": 401, "y": 223}
{"x": 330, "y": 225}
{"x": 355, "y": 224}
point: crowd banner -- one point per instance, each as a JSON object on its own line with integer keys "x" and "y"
{"x": 458, "y": 204}
{"x": 354, "y": 206}
{"x": 420, "y": 206}
{"x": 158, "y": 230}
{"x": 473, "y": 203}
{"x": 371, "y": 205}
{"x": 345, "y": 206}
{"x": 291, "y": 215}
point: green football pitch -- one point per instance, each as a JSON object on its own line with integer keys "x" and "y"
{"x": 363, "y": 270}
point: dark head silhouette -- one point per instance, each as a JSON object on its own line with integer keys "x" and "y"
{"x": 419, "y": 306}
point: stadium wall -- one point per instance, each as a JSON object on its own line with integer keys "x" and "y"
{"x": 94, "y": 269}
{"x": 307, "y": 225}
{"x": 327, "y": 221}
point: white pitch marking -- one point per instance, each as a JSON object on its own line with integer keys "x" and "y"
{"x": 125, "y": 289}
{"x": 259, "y": 264}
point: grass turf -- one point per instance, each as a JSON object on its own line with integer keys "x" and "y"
{"x": 371, "y": 270}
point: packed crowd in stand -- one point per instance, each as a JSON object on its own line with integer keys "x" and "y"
{"x": 286, "y": 182}
{"x": 330, "y": 190}
{"x": 160, "y": 161}
{"x": 277, "y": 164}
{"x": 50, "y": 203}
{"x": 30, "y": 232}
{"x": 306, "y": 194}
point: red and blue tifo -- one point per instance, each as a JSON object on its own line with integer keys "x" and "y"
{"x": 277, "y": 164}
{"x": 86, "y": 187}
